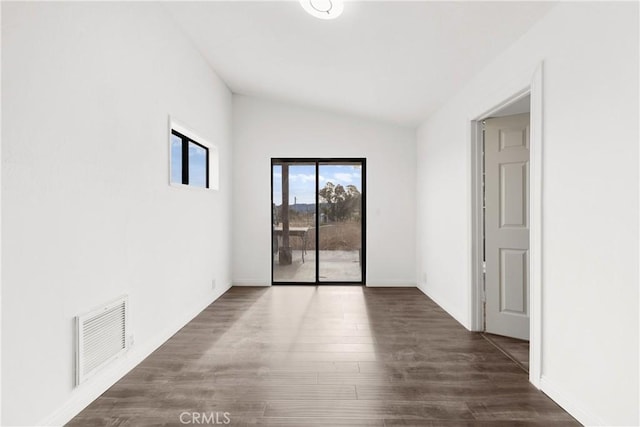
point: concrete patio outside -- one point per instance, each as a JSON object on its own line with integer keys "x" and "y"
{"x": 335, "y": 266}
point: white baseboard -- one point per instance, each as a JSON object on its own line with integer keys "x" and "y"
{"x": 459, "y": 318}
{"x": 86, "y": 393}
{"x": 563, "y": 398}
{"x": 250, "y": 282}
{"x": 391, "y": 284}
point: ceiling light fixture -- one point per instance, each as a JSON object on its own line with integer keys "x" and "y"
{"x": 323, "y": 9}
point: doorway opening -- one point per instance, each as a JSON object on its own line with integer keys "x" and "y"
{"x": 505, "y": 205}
{"x": 504, "y": 218}
{"x": 318, "y": 221}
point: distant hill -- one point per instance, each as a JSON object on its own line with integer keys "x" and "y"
{"x": 303, "y": 207}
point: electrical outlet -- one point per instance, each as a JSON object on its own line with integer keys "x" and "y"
{"x": 131, "y": 340}
{"x": 213, "y": 284}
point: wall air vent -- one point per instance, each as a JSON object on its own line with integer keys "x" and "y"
{"x": 101, "y": 336}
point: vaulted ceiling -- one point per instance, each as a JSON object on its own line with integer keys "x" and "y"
{"x": 394, "y": 61}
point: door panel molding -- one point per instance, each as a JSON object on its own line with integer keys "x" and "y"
{"x": 514, "y": 304}
{"x": 513, "y": 140}
{"x": 513, "y": 179}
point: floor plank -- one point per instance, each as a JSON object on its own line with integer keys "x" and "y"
{"x": 516, "y": 349}
{"x": 325, "y": 356}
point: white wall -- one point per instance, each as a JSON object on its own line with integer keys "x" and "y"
{"x": 590, "y": 202}
{"x": 88, "y": 214}
{"x": 265, "y": 129}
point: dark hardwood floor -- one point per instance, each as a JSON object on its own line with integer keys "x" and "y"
{"x": 325, "y": 356}
{"x": 517, "y": 350}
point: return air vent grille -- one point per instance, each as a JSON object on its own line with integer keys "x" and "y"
{"x": 101, "y": 337}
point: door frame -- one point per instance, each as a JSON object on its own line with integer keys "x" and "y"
{"x": 529, "y": 85}
{"x": 363, "y": 216}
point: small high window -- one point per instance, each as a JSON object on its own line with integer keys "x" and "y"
{"x": 189, "y": 161}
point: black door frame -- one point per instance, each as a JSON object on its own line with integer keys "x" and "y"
{"x": 363, "y": 215}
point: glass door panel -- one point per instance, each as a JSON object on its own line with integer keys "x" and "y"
{"x": 340, "y": 248}
{"x": 293, "y": 222}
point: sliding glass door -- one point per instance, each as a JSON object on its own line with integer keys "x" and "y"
{"x": 318, "y": 221}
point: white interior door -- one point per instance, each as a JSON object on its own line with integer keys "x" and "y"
{"x": 506, "y": 144}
